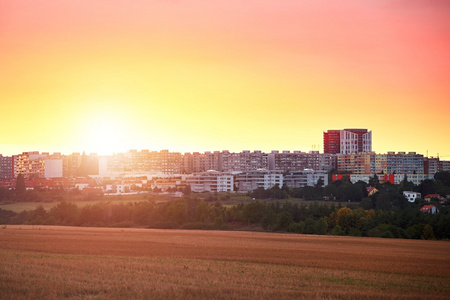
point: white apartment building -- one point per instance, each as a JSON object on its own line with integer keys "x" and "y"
{"x": 304, "y": 178}
{"x": 210, "y": 181}
{"x": 261, "y": 178}
{"x": 355, "y": 141}
{"x": 53, "y": 168}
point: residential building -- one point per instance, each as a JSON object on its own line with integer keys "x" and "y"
{"x": 164, "y": 183}
{"x": 321, "y": 161}
{"x": 432, "y": 165}
{"x": 390, "y": 163}
{"x": 411, "y": 196}
{"x": 210, "y": 181}
{"x": 429, "y": 197}
{"x": 430, "y": 209}
{"x": 332, "y": 142}
{"x": 261, "y": 178}
{"x": 29, "y": 164}
{"x": 406, "y": 163}
{"x": 307, "y": 177}
{"x": 416, "y": 179}
{"x": 6, "y": 167}
{"x": 357, "y": 163}
{"x": 347, "y": 141}
{"x": 53, "y": 168}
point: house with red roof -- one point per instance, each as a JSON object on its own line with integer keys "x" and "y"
{"x": 431, "y": 196}
{"x": 371, "y": 190}
{"x": 430, "y": 209}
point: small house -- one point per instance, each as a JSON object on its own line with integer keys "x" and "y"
{"x": 430, "y": 209}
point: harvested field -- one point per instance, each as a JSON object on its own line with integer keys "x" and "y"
{"x": 98, "y": 263}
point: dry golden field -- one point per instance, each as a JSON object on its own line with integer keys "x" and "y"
{"x": 48, "y": 262}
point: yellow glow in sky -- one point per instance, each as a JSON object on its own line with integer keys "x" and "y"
{"x": 196, "y": 76}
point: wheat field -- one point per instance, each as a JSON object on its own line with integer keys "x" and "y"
{"x": 51, "y": 262}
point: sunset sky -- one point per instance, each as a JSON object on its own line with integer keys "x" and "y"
{"x": 112, "y": 75}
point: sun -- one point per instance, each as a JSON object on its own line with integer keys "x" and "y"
{"x": 106, "y": 133}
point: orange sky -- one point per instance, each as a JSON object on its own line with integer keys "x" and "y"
{"x": 108, "y": 76}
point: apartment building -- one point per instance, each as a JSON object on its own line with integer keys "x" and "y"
{"x": 357, "y": 163}
{"x": 6, "y": 167}
{"x": 320, "y": 161}
{"x": 211, "y": 181}
{"x": 29, "y": 164}
{"x": 402, "y": 162}
{"x": 308, "y": 177}
{"x": 262, "y": 178}
{"x": 347, "y": 141}
{"x": 390, "y": 163}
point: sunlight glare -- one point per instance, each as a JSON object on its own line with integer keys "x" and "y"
{"x": 107, "y": 133}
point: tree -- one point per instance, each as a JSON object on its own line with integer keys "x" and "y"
{"x": 319, "y": 183}
{"x": 20, "y": 184}
{"x": 366, "y": 203}
{"x": 187, "y": 190}
{"x": 428, "y": 186}
{"x": 374, "y": 181}
{"x": 383, "y": 201}
{"x": 406, "y": 185}
{"x": 428, "y": 233}
{"x": 443, "y": 176}
{"x": 283, "y": 221}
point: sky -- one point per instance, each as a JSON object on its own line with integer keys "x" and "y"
{"x": 107, "y": 76}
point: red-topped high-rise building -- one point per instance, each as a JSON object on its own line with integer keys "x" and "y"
{"x": 347, "y": 141}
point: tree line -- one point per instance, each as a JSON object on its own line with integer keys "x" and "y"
{"x": 192, "y": 213}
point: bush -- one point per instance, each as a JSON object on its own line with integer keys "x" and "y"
{"x": 337, "y": 230}
{"x": 382, "y": 231}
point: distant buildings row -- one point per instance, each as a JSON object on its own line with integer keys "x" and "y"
{"x": 209, "y": 181}
{"x": 35, "y": 164}
{"x": 348, "y": 151}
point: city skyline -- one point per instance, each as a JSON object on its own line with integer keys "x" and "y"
{"x": 106, "y": 77}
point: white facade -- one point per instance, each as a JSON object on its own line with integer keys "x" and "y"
{"x": 411, "y": 196}
{"x": 53, "y": 168}
{"x": 367, "y": 142}
{"x": 349, "y": 142}
{"x": 306, "y": 177}
{"x": 250, "y": 181}
{"x": 210, "y": 181}
{"x": 103, "y": 166}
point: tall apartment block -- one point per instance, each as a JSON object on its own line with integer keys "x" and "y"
{"x": 347, "y": 141}
{"x": 6, "y": 167}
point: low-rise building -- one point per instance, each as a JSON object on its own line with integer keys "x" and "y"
{"x": 211, "y": 181}
{"x": 304, "y": 178}
{"x": 411, "y": 196}
{"x": 431, "y": 196}
{"x": 262, "y": 178}
{"x": 430, "y": 209}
